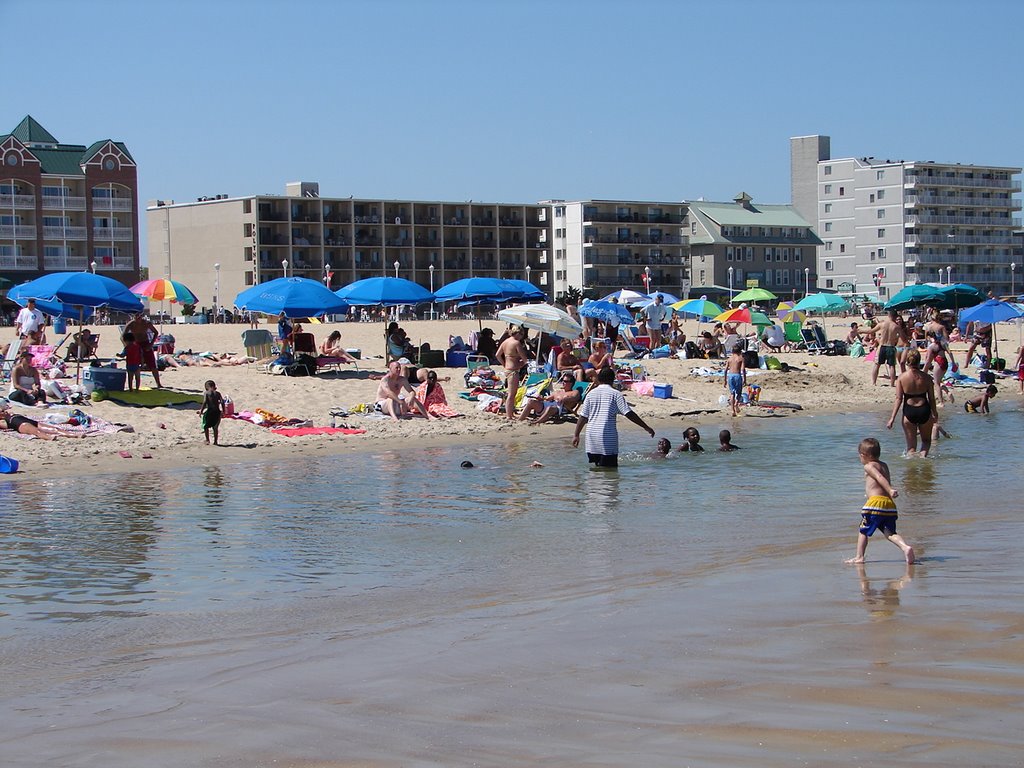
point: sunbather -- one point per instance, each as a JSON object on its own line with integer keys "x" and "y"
{"x": 15, "y": 422}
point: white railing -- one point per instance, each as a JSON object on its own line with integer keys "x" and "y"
{"x": 111, "y": 203}
{"x": 64, "y": 233}
{"x": 980, "y": 221}
{"x": 17, "y": 201}
{"x": 68, "y": 263}
{"x": 112, "y": 233}
{"x": 961, "y": 181}
{"x": 912, "y": 240}
{"x": 18, "y": 231}
{"x": 63, "y": 203}
{"x": 23, "y": 261}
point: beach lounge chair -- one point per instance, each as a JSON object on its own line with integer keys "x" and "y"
{"x": 793, "y": 336}
{"x": 10, "y": 359}
{"x": 810, "y": 342}
{"x": 828, "y": 347}
{"x": 259, "y": 345}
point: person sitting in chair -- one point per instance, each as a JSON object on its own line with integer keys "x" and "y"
{"x": 83, "y": 345}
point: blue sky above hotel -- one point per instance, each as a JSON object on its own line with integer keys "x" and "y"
{"x": 514, "y": 101}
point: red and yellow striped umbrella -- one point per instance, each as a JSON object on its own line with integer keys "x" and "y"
{"x": 162, "y": 289}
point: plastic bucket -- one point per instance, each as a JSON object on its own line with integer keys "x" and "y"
{"x": 8, "y": 466}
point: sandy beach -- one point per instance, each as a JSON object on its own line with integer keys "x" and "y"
{"x": 171, "y": 436}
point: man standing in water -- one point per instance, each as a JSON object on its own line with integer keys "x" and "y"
{"x": 601, "y": 406}
{"x": 889, "y": 334}
{"x": 511, "y": 355}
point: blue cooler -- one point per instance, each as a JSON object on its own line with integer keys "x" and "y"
{"x": 457, "y": 358}
{"x": 103, "y": 378}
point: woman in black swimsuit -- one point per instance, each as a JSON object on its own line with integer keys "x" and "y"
{"x": 915, "y": 393}
{"x": 15, "y": 422}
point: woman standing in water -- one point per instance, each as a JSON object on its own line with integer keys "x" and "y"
{"x": 915, "y": 393}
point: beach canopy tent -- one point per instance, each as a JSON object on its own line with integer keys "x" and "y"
{"x": 295, "y": 296}
{"x": 822, "y": 302}
{"x": 384, "y": 292}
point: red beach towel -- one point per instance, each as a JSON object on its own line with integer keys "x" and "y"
{"x": 302, "y": 431}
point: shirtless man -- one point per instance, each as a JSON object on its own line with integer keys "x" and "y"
{"x": 889, "y": 334}
{"x": 512, "y": 357}
{"x": 396, "y": 397}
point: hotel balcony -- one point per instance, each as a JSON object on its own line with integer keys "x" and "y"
{"x": 912, "y": 181}
{"x": 66, "y": 263}
{"x": 117, "y": 264}
{"x": 63, "y": 203}
{"x": 962, "y": 201}
{"x": 912, "y": 241}
{"x": 1009, "y": 222}
{"x": 17, "y": 201}
{"x": 18, "y": 231}
{"x": 21, "y": 261}
{"x": 111, "y": 203}
{"x": 65, "y": 233}
{"x": 108, "y": 234}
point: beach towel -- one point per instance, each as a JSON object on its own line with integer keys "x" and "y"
{"x": 154, "y": 398}
{"x": 436, "y": 403}
{"x": 303, "y": 431}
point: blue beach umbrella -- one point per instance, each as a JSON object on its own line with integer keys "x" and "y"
{"x": 78, "y": 289}
{"x": 625, "y": 296}
{"x": 52, "y": 308}
{"x": 991, "y": 311}
{"x": 477, "y": 288}
{"x": 528, "y": 289}
{"x": 295, "y": 296}
{"x": 384, "y": 292}
{"x": 605, "y": 311}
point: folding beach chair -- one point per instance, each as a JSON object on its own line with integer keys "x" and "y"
{"x": 10, "y": 359}
{"x": 259, "y": 345}
{"x": 810, "y": 341}
{"x": 828, "y": 347}
{"x": 793, "y": 335}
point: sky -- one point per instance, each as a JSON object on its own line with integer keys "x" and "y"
{"x": 513, "y": 101}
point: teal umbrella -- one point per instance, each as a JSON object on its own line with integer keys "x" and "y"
{"x": 822, "y": 302}
{"x": 914, "y": 296}
{"x": 960, "y": 296}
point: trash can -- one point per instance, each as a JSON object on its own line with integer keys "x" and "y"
{"x": 60, "y": 326}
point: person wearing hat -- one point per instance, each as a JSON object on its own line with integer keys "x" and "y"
{"x": 30, "y": 322}
{"x": 26, "y": 384}
{"x": 485, "y": 344}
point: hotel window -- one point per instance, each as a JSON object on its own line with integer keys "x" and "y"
{"x": 842, "y": 247}
{"x": 785, "y": 254}
{"x": 872, "y": 257}
{"x": 767, "y": 277}
{"x": 842, "y": 191}
{"x": 828, "y": 189}
{"x": 881, "y": 194}
{"x": 703, "y": 277}
{"x": 769, "y": 253}
{"x": 828, "y": 245}
{"x": 881, "y": 253}
{"x": 871, "y": 198}
{"x": 881, "y": 233}
{"x": 785, "y": 277}
{"x": 798, "y": 254}
{"x": 828, "y": 283}
{"x": 728, "y": 254}
{"x": 778, "y": 277}
{"x": 879, "y": 175}
{"x": 828, "y": 226}
{"x": 828, "y": 265}
{"x": 881, "y": 213}
{"x": 749, "y": 254}
{"x": 828, "y": 207}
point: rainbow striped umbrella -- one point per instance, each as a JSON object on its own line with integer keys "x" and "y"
{"x": 162, "y": 289}
{"x": 787, "y": 313}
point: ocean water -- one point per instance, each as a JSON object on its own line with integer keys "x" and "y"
{"x": 395, "y": 609}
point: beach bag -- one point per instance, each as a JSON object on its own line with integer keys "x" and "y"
{"x": 856, "y": 349}
{"x": 229, "y": 406}
{"x": 772, "y": 364}
{"x": 998, "y": 364}
{"x": 78, "y": 418}
{"x": 304, "y": 365}
{"x": 692, "y": 351}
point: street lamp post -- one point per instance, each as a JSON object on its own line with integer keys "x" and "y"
{"x": 647, "y": 282}
{"x": 1013, "y": 282}
{"x": 397, "y": 265}
{"x": 430, "y": 269}
{"x": 216, "y": 291}
{"x": 528, "y": 273}
{"x": 949, "y": 275}
{"x": 93, "y": 265}
{"x": 284, "y": 266}
{"x": 807, "y": 281}
{"x": 327, "y": 276}
{"x": 730, "y": 286}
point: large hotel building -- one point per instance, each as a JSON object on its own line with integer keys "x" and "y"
{"x": 66, "y": 206}
{"x": 886, "y": 224}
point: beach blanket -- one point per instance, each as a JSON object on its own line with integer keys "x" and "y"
{"x": 154, "y": 398}
{"x": 263, "y": 418}
{"x": 303, "y": 431}
{"x": 94, "y": 428}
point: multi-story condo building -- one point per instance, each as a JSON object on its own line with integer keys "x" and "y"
{"x": 603, "y": 245}
{"x": 740, "y": 245}
{"x": 885, "y": 224}
{"x": 66, "y": 206}
{"x": 224, "y": 244}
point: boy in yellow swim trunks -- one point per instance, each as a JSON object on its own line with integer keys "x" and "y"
{"x": 879, "y": 512}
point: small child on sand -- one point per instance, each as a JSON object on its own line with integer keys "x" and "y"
{"x": 725, "y": 441}
{"x": 132, "y": 361}
{"x": 211, "y": 411}
{"x": 979, "y": 404}
{"x": 879, "y": 513}
{"x": 691, "y": 438}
